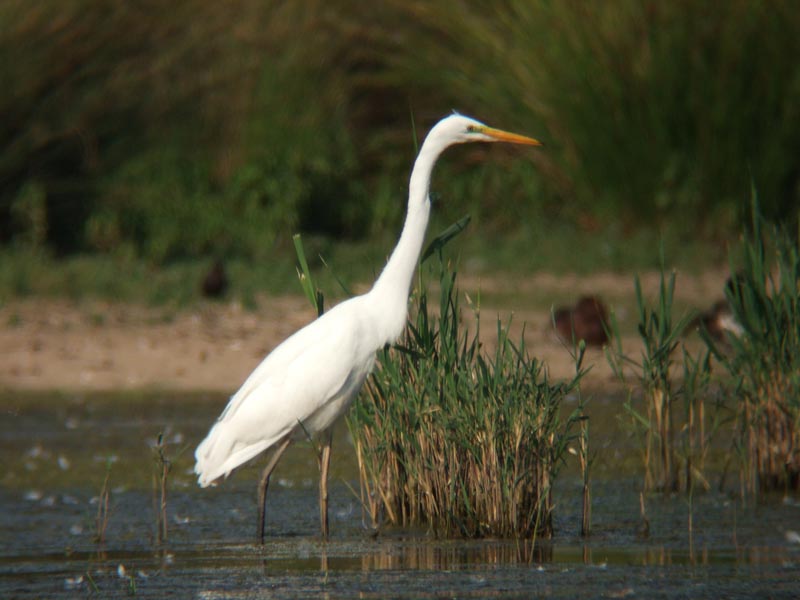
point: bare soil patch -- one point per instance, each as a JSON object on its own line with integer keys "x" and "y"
{"x": 50, "y": 344}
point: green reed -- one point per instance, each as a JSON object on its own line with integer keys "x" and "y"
{"x": 662, "y": 385}
{"x": 460, "y": 440}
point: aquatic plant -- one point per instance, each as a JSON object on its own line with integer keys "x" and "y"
{"x": 657, "y": 381}
{"x": 452, "y": 438}
{"x": 764, "y": 359}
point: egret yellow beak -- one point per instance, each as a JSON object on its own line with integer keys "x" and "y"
{"x": 512, "y": 138}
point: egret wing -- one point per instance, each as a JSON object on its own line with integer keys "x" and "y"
{"x": 303, "y": 374}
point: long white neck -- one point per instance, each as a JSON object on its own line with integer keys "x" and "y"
{"x": 390, "y": 292}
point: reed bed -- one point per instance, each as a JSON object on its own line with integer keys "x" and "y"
{"x": 759, "y": 381}
{"x": 456, "y": 440}
{"x": 763, "y": 360}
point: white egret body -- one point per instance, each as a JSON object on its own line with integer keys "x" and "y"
{"x": 305, "y": 384}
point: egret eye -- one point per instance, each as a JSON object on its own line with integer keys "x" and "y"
{"x": 472, "y": 129}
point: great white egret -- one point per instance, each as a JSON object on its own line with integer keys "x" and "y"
{"x": 309, "y": 380}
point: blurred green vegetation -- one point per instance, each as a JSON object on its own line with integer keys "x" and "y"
{"x": 167, "y": 132}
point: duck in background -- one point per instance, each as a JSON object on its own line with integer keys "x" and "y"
{"x": 215, "y": 281}
{"x": 588, "y": 319}
{"x": 719, "y": 320}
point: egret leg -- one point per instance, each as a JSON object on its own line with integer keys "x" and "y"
{"x": 324, "y": 462}
{"x": 262, "y": 488}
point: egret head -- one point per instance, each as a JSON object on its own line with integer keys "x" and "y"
{"x": 458, "y": 129}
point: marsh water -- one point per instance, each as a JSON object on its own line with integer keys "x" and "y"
{"x": 61, "y": 454}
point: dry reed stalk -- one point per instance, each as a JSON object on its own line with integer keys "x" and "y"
{"x": 101, "y": 518}
{"x": 160, "y": 478}
{"x": 583, "y": 455}
{"x": 701, "y": 420}
{"x": 691, "y": 447}
{"x": 774, "y": 429}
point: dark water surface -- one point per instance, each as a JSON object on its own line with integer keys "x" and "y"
{"x": 57, "y": 451}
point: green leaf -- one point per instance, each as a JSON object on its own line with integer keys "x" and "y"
{"x": 304, "y": 274}
{"x": 445, "y": 236}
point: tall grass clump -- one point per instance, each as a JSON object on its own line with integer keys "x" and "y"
{"x": 764, "y": 359}
{"x": 662, "y": 385}
{"x": 460, "y": 440}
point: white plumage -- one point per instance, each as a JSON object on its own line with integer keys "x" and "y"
{"x": 280, "y": 394}
{"x": 310, "y": 379}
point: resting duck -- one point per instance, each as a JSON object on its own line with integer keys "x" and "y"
{"x": 588, "y": 319}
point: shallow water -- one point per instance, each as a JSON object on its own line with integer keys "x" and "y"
{"x": 58, "y": 450}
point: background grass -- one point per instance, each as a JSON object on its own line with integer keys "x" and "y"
{"x": 164, "y": 134}
{"x": 26, "y": 272}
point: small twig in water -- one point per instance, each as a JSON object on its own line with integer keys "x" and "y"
{"x": 163, "y": 466}
{"x": 101, "y": 519}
